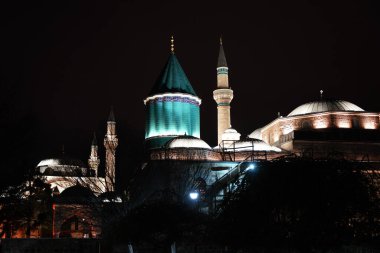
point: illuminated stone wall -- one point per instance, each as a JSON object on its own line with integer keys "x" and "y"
{"x": 96, "y": 184}
{"x": 223, "y": 98}
{"x": 88, "y": 221}
{"x": 274, "y": 132}
{"x": 185, "y": 154}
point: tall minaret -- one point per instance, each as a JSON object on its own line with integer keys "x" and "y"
{"x": 110, "y": 143}
{"x": 94, "y": 161}
{"x": 223, "y": 95}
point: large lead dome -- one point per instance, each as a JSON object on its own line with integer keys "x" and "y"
{"x": 325, "y": 106}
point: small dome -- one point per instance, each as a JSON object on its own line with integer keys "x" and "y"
{"x": 230, "y": 130}
{"x": 256, "y": 134}
{"x": 76, "y": 194}
{"x": 185, "y": 141}
{"x": 325, "y": 106}
{"x": 230, "y": 134}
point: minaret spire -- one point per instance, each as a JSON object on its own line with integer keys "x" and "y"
{"x": 93, "y": 160}
{"x": 111, "y": 116}
{"x": 223, "y": 95}
{"x": 222, "y": 62}
{"x": 110, "y": 143}
{"x": 94, "y": 141}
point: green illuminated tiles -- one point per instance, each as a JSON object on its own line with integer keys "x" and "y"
{"x": 172, "y": 107}
{"x": 171, "y": 115}
{"x": 222, "y": 70}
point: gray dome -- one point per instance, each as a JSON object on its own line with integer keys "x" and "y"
{"x": 62, "y": 165}
{"x": 61, "y": 161}
{"x": 186, "y": 141}
{"x": 256, "y": 134}
{"x": 325, "y": 106}
{"x": 76, "y": 194}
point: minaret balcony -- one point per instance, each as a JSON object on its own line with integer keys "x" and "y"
{"x": 223, "y": 96}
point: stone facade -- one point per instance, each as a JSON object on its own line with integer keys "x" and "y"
{"x": 75, "y": 221}
{"x": 223, "y": 98}
{"x": 326, "y": 132}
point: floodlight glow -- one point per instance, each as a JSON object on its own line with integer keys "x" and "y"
{"x": 251, "y": 167}
{"x": 194, "y": 195}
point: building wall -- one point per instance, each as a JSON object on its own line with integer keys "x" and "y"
{"x": 88, "y": 216}
{"x": 275, "y": 132}
{"x": 185, "y": 154}
{"x": 96, "y": 184}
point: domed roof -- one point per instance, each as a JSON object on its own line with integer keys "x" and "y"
{"x": 61, "y": 161}
{"x": 325, "y": 106}
{"x": 172, "y": 79}
{"x": 62, "y": 165}
{"x": 256, "y": 134}
{"x": 230, "y": 130}
{"x": 187, "y": 141}
{"x": 230, "y": 134}
{"x": 76, "y": 194}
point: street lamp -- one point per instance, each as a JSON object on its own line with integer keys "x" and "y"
{"x": 251, "y": 167}
{"x": 194, "y": 195}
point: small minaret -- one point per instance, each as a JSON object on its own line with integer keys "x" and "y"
{"x": 223, "y": 95}
{"x": 110, "y": 143}
{"x": 94, "y": 161}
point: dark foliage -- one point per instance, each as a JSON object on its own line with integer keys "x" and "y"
{"x": 26, "y": 207}
{"x": 301, "y": 204}
{"x": 158, "y": 224}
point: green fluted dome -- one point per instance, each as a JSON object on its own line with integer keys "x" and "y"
{"x": 172, "y": 79}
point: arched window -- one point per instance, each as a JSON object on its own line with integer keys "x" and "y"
{"x": 306, "y": 124}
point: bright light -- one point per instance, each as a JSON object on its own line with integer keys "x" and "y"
{"x": 369, "y": 125}
{"x": 322, "y": 123}
{"x": 251, "y": 167}
{"x": 194, "y": 195}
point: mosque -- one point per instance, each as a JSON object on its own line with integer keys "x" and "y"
{"x": 321, "y": 127}
{"x": 176, "y": 158}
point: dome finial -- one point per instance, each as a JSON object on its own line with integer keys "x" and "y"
{"x": 321, "y": 92}
{"x": 221, "y": 40}
{"x": 172, "y": 44}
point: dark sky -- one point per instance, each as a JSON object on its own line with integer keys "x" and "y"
{"x": 63, "y": 63}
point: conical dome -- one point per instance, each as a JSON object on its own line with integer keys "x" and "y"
{"x": 172, "y": 79}
{"x": 172, "y": 107}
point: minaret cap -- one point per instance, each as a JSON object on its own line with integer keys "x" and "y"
{"x": 94, "y": 141}
{"x": 222, "y": 62}
{"x": 111, "y": 117}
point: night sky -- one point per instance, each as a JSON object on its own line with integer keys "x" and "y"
{"x": 63, "y": 64}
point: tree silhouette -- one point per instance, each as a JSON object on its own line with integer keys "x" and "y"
{"x": 301, "y": 204}
{"x": 26, "y": 208}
